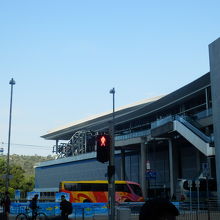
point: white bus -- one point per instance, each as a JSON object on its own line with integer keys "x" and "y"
{"x": 205, "y": 193}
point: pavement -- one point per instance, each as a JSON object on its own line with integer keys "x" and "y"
{"x": 133, "y": 217}
{"x": 96, "y": 217}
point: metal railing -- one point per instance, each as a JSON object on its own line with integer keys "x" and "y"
{"x": 195, "y": 130}
{"x": 132, "y": 135}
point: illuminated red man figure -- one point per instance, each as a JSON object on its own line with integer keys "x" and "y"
{"x": 103, "y": 148}
{"x": 103, "y": 141}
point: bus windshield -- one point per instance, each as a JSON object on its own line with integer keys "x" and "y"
{"x": 136, "y": 189}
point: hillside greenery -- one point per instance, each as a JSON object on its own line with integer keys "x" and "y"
{"x": 27, "y": 163}
{"x": 22, "y": 172}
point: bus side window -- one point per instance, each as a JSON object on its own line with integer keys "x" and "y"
{"x": 84, "y": 187}
{"x": 99, "y": 187}
{"x": 70, "y": 186}
{"x": 212, "y": 185}
{"x": 202, "y": 185}
{"x": 185, "y": 185}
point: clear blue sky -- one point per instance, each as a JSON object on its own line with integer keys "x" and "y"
{"x": 65, "y": 56}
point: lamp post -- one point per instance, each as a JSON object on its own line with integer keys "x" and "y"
{"x": 111, "y": 168}
{"x": 12, "y": 83}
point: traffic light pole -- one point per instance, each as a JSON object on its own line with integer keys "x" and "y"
{"x": 111, "y": 168}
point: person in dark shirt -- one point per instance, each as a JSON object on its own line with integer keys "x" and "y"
{"x": 33, "y": 205}
{"x": 65, "y": 207}
{"x": 158, "y": 209}
{"x": 6, "y": 202}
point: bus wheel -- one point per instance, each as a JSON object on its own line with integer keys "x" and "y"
{"x": 127, "y": 200}
{"x": 86, "y": 200}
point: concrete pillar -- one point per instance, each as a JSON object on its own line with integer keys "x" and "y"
{"x": 176, "y": 166}
{"x": 171, "y": 167}
{"x": 122, "y": 164}
{"x": 57, "y": 144}
{"x": 143, "y": 169}
{"x": 206, "y": 101}
{"x": 214, "y": 59}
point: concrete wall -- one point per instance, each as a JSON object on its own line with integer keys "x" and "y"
{"x": 50, "y": 176}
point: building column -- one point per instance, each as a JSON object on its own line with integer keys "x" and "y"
{"x": 57, "y": 144}
{"x": 214, "y": 59}
{"x": 122, "y": 164}
{"x": 143, "y": 168}
{"x": 206, "y": 101}
{"x": 171, "y": 167}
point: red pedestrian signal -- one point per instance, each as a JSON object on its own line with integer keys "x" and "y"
{"x": 103, "y": 147}
{"x": 103, "y": 141}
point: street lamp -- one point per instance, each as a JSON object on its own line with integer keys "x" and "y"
{"x": 111, "y": 168}
{"x": 12, "y": 83}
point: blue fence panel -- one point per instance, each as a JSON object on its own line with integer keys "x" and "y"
{"x": 53, "y": 208}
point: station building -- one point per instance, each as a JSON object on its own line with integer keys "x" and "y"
{"x": 157, "y": 141}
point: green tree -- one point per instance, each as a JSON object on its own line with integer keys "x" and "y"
{"x": 3, "y": 174}
{"x": 18, "y": 179}
{"x": 22, "y": 171}
{"x": 28, "y": 184}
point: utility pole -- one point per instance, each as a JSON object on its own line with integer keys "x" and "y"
{"x": 12, "y": 83}
{"x": 111, "y": 167}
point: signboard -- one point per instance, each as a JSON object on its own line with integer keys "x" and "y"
{"x": 190, "y": 183}
{"x": 148, "y": 165}
{"x": 150, "y": 174}
{"x": 205, "y": 169}
{"x": 197, "y": 182}
{"x": 17, "y": 194}
{"x": 58, "y": 196}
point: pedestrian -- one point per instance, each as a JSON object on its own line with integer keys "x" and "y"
{"x": 34, "y": 205}
{"x": 158, "y": 209}
{"x": 66, "y": 208}
{"x": 6, "y": 202}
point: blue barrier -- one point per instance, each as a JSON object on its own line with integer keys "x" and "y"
{"x": 53, "y": 208}
{"x": 177, "y": 204}
{"x": 79, "y": 209}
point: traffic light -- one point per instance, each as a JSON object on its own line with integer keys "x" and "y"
{"x": 103, "y": 147}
